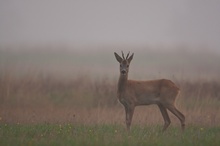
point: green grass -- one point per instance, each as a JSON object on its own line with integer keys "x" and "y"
{"x": 106, "y": 135}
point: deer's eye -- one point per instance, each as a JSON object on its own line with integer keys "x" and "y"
{"x": 127, "y": 65}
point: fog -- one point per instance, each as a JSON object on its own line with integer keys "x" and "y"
{"x": 193, "y": 23}
{"x": 57, "y": 66}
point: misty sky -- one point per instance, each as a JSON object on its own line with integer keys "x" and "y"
{"x": 109, "y": 22}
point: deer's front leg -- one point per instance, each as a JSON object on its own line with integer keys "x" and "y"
{"x": 129, "y": 111}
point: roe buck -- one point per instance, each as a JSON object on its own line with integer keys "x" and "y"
{"x": 132, "y": 93}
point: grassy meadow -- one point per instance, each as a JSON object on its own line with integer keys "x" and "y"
{"x": 68, "y": 97}
{"x": 93, "y": 135}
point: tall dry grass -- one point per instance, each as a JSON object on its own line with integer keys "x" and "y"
{"x": 44, "y": 98}
{"x": 71, "y": 86}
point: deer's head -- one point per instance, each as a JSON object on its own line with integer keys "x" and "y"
{"x": 124, "y": 62}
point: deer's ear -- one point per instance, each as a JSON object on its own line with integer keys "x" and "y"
{"x": 118, "y": 58}
{"x": 130, "y": 58}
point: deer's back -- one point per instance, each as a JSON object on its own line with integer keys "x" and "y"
{"x": 152, "y": 91}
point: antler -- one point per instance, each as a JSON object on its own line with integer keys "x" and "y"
{"x": 127, "y": 55}
{"x": 122, "y": 54}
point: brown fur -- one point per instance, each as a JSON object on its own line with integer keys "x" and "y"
{"x": 133, "y": 93}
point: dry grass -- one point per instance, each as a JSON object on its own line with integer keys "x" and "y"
{"x": 39, "y": 98}
{"x": 63, "y": 86}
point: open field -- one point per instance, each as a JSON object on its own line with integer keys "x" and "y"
{"x": 54, "y": 98}
{"x": 108, "y": 135}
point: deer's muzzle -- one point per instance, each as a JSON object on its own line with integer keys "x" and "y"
{"x": 123, "y": 72}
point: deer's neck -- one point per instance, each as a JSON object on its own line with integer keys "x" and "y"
{"x": 122, "y": 83}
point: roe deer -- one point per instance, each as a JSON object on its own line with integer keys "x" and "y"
{"x": 132, "y": 93}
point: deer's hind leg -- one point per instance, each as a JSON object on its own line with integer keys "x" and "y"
{"x": 178, "y": 114}
{"x": 165, "y": 115}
